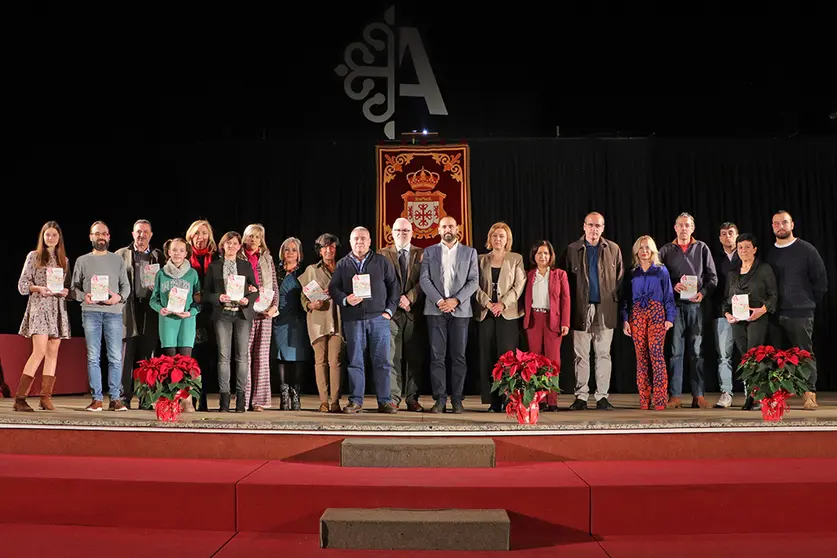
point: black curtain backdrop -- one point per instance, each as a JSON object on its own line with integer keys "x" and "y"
{"x": 541, "y": 187}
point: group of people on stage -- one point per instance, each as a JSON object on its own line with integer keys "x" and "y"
{"x": 223, "y": 303}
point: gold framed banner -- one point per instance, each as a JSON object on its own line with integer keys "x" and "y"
{"x": 423, "y": 184}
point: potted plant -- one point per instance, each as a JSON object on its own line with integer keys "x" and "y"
{"x": 525, "y": 379}
{"x": 771, "y": 376}
{"x": 165, "y": 381}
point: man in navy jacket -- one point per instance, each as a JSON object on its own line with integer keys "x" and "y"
{"x": 365, "y": 286}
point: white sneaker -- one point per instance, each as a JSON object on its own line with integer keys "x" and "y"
{"x": 725, "y": 401}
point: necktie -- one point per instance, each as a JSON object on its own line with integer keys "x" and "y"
{"x": 402, "y": 263}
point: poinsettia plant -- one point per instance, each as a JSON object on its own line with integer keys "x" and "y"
{"x": 167, "y": 377}
{"x": 530, "y": 374}
{"x": 772, "y": 376}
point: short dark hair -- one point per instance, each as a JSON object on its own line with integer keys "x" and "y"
{"x": 788, "y": 213}
{"x": 326, "y": 239}
{"x": 728, "y": 225}
{"x": 747, "y": 237}
{"x": 534, "y": 251}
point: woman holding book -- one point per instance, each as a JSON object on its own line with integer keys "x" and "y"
{"x": 176, "y": 298}
{"x": 648, "y": 312}
{"x": 257, "y": 393}
{"x": 230, "y": 288}
{"x": 289, "y": 329}
{"x": 203, "y": 250}
{"x": 323, "y": 319}
{"x": 751, "y": 294}
{"x": 45, "y": 279}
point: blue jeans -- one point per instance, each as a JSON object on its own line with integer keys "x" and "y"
{"x": 94, "y": 324}
{"x": 374, "y": 333}
{"x": 724, "y": 341}
{"x": 687, "y": 325}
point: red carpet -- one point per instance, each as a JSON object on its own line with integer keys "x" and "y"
{"x": 290, "y": 497}
{"x": 728, "y": 496}
{"x": 120, "y": 492}
{"x": 83, "y": 542}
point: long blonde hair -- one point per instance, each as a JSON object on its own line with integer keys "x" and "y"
{"x": 655, "y": 254}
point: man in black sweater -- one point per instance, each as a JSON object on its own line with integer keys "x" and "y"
{"x": 802, "y": 281}
{"x": 365, "y": 286}
{"x": 726, "y": 258}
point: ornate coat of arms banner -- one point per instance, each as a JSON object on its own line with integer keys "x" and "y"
{"x": 423, "y": 184}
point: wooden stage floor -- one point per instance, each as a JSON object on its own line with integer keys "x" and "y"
{"x": 626, "y": 417}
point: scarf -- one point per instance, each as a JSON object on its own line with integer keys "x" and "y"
{"x": 253, "y": 258}
{"x": 176, "y": 272}
{"x": 196, "y": 262}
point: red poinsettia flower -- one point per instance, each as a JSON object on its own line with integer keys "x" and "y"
{"x": 182, "y": 394}
{"x": 176, "y": 375}
{"x": 529, "y": 369}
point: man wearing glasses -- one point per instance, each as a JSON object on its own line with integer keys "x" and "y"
{"x": 100, "y": 283}
{"x": 594, "y": 267}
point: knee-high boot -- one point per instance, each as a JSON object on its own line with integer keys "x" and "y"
{"x": 47, "y": 383}
{"x": 20, "y": 395}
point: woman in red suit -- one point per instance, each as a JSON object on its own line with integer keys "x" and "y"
{"x": 546, "y": 317}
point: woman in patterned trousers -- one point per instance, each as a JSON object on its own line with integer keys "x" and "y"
{"x": 648, "y": 310}
{"x": 257, "y": 392}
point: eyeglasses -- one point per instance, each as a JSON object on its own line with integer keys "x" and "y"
{"x": 401, "y": 230}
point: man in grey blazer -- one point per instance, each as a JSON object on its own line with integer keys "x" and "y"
{"x": 449, "y": 278}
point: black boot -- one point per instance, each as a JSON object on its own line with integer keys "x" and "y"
{"x": 295, "y": 398}
{"x": 201, "y": 405}
{"x": 285, "y": 400}
{"x": 239, "y": 401}
{"x": 225, "y": 403}
{"x": 748, "y": 404}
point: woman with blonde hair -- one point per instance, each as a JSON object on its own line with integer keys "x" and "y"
{"x": 501, "y": 282}
{"x": 290, "y": 330}
{"x": 203, "y": 250}
{"x": 45, "y": 320}
{"x": 649, "y": 310}
{"x": 257, "y": 393}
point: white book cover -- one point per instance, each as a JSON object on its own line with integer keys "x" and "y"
{"x": 149, "y": 272}
{"x": 235, "y": 287}
{"x": 314, "y": 291}
{"x": 264, "y": 300}
{"x": 362, "y": 286}
{"x": 99, "y": 288}
{"x": 55, "y": 279}
{"x": 690, "y": 282}
{"x": 177, "y": 300}
{"x": 741, "y": 307}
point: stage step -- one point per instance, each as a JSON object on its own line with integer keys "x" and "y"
{"x": 418, "y": 452}
{"x": 399, "y": 529}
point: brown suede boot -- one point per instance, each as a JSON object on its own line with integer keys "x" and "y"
{"x": 47, "y": 382}
{"x": 22, "y": 391}
{"x": 809, "y": 401}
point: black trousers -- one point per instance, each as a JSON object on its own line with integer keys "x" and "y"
{"x": 497, "y": 336}
{"x": 139, "y": 347}
{"x": 448, "y": 337}
{"x": 787, "y": 332}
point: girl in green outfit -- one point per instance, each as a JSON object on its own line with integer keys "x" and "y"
{"x": 177, "y": 329}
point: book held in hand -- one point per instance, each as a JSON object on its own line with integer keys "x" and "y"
{"x": 362, "y": 286}
{"x": 741, "y": 307}
{"x": 177, "y": 300}
{"x": 264, "y": 300}
{"x": 55, "y": 279}
{"x": 99, "y": 288}
{"x": 691, "y": 283}
{"x": 235, "y": 287}
{"x": 149, "y": 272}
{"x": 314, "y": 291}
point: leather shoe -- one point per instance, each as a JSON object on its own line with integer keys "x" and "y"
{"x": 414, "y": 406}
{"x": 438, "y": 407}
{"x": 603, "y": 405}
{"x": 578, "y": 405}
{"x": 748, "y": 404}
{"x": 390, "y": 408}
{"x": 457, "y": 406}
{"x": 352, "y": 408}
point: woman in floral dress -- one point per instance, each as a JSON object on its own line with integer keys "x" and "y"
{"x": 45, "y": 279}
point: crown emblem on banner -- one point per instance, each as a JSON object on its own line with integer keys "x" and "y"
{"x": 422, "y": 180}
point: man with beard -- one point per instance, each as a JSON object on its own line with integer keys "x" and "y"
{"x": 449, "y": 278}
{"x": 140, "y": 334}
{"x": 802, "y": 282}
{"x": 99, "y": 269}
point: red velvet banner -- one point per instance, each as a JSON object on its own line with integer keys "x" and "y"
{"x": 423, "y": 184}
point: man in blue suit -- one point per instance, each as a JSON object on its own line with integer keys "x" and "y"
{"x": 449, "y": 277}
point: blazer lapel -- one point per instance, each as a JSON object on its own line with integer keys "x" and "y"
{"x": 392, "y": 254}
